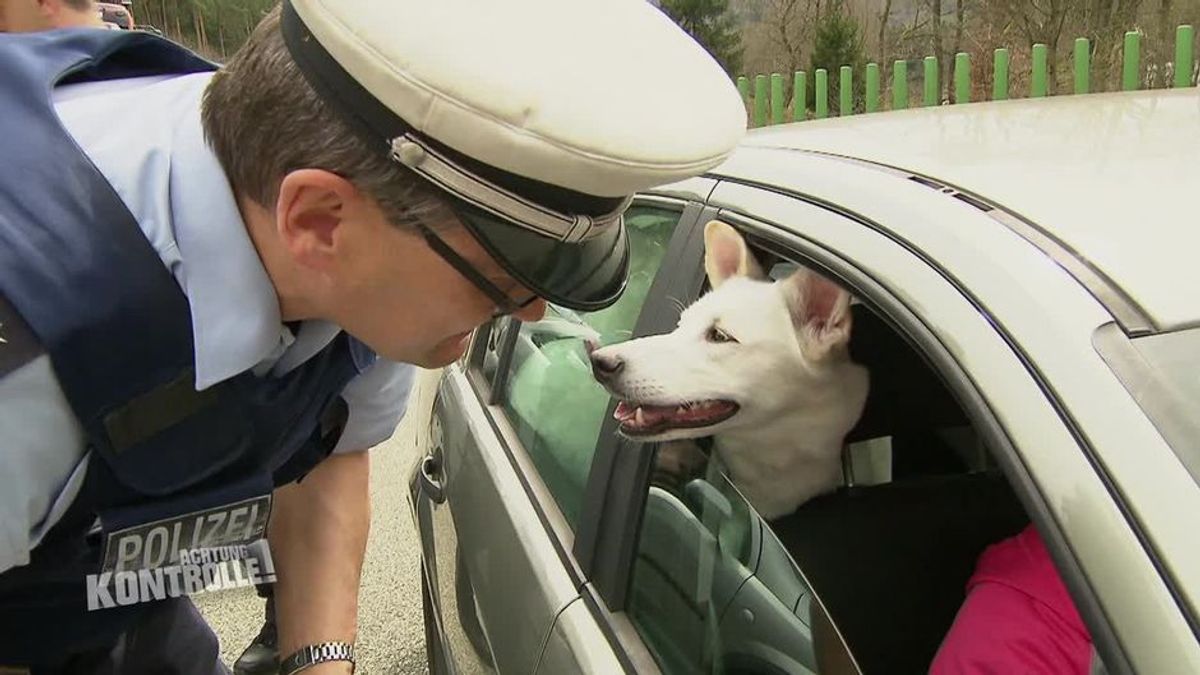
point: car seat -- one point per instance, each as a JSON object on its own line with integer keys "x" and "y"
{"x": 890, "y": 562}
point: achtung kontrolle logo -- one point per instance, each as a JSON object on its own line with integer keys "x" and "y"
{"x": 196, "y": 571}
{"x": 199, "y": 552}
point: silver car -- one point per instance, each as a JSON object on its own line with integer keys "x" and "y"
{"x": 1030, "y": 314}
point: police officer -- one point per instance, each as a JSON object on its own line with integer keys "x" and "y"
{"x": 209, "y": 282}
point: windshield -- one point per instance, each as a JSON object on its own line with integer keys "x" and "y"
{"x": 1162, "y": 372}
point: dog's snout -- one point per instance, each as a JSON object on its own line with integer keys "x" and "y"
{"x": 605, "y": 366}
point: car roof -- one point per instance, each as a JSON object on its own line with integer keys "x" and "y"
{"x": 1114, "y": 178}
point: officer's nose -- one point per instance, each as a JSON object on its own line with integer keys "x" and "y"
{"x": 534, "y": 311}
{"x": 606, "y": 366}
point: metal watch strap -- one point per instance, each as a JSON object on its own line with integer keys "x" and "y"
{"x": 311, "y": 655}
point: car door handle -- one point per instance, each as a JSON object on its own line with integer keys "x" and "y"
{"x": 431, "y": 477}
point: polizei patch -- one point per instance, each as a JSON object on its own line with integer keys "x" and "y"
{"x": 206, "y": 550}
{"x": 158, "y": 543}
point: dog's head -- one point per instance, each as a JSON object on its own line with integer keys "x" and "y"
{"x": 744, "y": 354}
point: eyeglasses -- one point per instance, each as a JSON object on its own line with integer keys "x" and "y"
{"x": 504, "y": 304}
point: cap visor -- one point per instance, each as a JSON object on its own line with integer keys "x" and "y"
{"x": 586, "y": 276}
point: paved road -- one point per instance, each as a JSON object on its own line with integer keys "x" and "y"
{"x": 391, "y": 636}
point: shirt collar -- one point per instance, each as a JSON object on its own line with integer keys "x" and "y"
{"x": 235, "y": 312}
{"x": 236, "y": 321}
{"x": 174, "y": 185}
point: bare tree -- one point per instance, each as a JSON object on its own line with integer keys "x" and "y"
{"x": 939, "y": 51}
{"x": 781, "y": 40}
{"x": 885, "y": 17}
{"x": 1036, "y": 21}
{"x": 791, "y": 30}
{"x": 960, "y": 11}
{"x": 1166, "y": 39}
{"x": 1104, "y": 23}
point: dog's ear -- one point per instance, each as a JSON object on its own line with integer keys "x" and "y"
{"x": 820, "y": 311}
{"x": 726, "y": 254}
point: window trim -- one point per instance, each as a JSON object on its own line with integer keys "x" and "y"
{"x": 472, "y": 364}
{"x": 504, "y": 351}
{"x": 610, "y": 517}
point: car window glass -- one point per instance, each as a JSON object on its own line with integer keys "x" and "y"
{"x": 868, "y": 575}
{"x": 713, "y": 590}
{"x": 550, "y": 396}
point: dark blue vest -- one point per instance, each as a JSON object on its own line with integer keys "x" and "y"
{"x": 76, "y": 267}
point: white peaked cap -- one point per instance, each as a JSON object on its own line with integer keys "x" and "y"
{"x": 545, "y": 115}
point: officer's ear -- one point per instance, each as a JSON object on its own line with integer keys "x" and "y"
{"x": 311, "y": 213}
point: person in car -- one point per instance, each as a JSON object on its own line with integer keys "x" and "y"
{"x": 1017, "y": 617}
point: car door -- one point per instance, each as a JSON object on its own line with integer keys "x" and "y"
{"x": 513, "y": 431}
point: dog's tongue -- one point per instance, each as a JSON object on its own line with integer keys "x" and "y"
{"x": 640, "y": 417}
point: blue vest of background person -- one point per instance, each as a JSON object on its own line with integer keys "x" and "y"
{"x": 122, "y": 226}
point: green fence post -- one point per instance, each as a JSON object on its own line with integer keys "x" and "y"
{"x": 799, "y": 96}
{"x": 743, "y": 85}
{"x": 899, "y": 85}
{"x": 1183, "y": 56}
{"x": 1000, "y": 75}
{"x": 872, "y": 103}
{"x": 931, "y": 81}
{"x": 1129, "y": 76}
{"x": 962, "y": 77}
{"x": 846, "y": 91}
{"x": 760, "y": 100}
{"x": 822, "y": 93}
{"x": 777, "y": 102}
{"x": 1083, "y": 67}
{"x": 1037, "y": 86}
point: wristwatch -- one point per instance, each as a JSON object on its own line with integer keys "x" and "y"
{"x": 311, "y": 655}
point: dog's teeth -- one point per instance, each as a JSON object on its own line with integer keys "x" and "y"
{"x": 639, "y": 417}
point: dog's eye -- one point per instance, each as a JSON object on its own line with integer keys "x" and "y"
{"x": 717, "y": 335}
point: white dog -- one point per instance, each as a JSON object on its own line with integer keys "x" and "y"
{"x": 762, "y": 367}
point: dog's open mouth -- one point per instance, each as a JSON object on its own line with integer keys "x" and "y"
{"x": 640, "y": 419}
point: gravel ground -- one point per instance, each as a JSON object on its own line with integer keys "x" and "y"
{"x": 391, "y": 636}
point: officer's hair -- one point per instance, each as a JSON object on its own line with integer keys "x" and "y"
{"x": 263, "y": 120}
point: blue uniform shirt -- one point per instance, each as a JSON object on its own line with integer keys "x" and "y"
{"x": 175, "y": 188}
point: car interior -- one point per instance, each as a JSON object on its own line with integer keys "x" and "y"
{"x": 890, "y": 561}
{"x": 886, "y": 557}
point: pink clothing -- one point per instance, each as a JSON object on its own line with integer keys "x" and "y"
{"x": 1017, "y": 617}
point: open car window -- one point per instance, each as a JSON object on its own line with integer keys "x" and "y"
{"x": 866, "y": 578}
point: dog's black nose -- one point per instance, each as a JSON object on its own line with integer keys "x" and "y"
{"x": 604, "y": 366}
